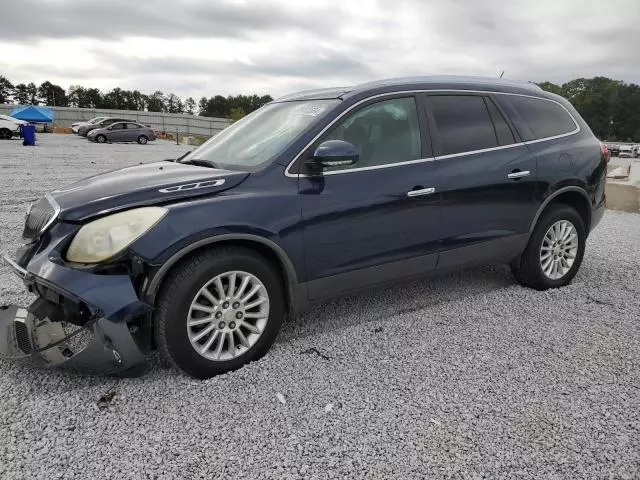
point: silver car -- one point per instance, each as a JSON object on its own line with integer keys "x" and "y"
{"x": 76, "y": 126}
{"x": 123, "y": 132}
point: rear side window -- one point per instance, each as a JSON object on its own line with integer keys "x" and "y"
{"x": 503, "y": 132}
{"x": 543, "y": 117}
{"x": 463, "y": 123}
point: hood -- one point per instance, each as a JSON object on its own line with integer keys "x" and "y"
{"x": 147, "y": 184}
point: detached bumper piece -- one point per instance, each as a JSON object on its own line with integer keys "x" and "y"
{"x": 85, "y": 327}
{"x": 101, "y": 346}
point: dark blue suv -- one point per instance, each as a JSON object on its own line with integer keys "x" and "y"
{"x": 314, "y": 195}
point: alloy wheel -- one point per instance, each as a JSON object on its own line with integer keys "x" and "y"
{"x": 228, "y": 315}
{"x": 559, "y": 249}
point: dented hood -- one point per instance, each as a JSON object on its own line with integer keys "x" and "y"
{"x": 148, "y": 184}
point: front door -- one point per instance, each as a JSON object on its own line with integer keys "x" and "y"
{"x": 488, "y": 179}
{"x": 118, "y": 132}
{"x": 379, "y": 219}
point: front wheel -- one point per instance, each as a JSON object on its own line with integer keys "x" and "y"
{"x": 5, "y": 134}
{"x": 555, "y": 250}
{"x": 142, "y": 140}
{"x": 218, "y": 311}
{"x": 101, "y": 139}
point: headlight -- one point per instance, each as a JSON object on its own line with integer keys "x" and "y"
{"x": 102, "y": 239}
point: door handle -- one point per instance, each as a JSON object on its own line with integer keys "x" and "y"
{"x": 421, "y": 192}
{"x": 519, "y": 174}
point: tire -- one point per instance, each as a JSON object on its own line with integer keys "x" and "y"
{"x": 528, "y": 268}
{"x": 142, "y": 140}
{"x": 5, "y": 134}
{"x": 101, "y": 139}
{"x": 177, "y": 341}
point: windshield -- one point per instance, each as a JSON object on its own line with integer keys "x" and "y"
{"x": 96, "y": 120}
{"x": 261, "y": 136}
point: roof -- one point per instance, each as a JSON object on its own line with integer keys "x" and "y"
{"x": 420, "y": 83}
{"x": 32, "y": 113}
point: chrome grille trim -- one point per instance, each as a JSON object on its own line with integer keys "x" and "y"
{"x": 40, "y": 217}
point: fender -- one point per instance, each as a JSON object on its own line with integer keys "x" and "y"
{"x": 554, "y": 195}
{"x": 295, "y": 292}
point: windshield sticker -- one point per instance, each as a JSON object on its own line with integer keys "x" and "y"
{"x": 310, "y": 110}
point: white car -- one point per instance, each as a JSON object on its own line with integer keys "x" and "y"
{"x": 77, "y": 125}
{"x": 9, "y": 127}
{"x": 626, "y": 151}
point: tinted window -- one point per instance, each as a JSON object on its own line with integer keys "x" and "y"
{"x": 118, "y": 126}
{"x": 503, "y": 132}
{"x": 384, "y": 132}
{"x": 131, "y": 126}
{"x": 544, "y": 118}
{"x": 463, "y": 123}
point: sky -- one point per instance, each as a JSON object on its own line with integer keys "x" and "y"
{"x": 207, "y": 47}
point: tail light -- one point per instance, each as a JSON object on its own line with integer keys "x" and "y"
{"x": 605, "y": 152}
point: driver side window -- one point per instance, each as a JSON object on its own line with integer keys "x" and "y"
{"x": 385, "y": 132}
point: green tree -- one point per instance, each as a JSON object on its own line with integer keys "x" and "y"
{"x": 202, "y": 106}
{"x": 6, "y": 89}
{"x": 92, "y": 99}
{"x": 52, "y": 95}
{"x": 551, "y": 87}
{"x": 32, "y": 90}
{"x": 236, "y": 114}
{"x": 173, "y": 104}
{"x": 155, "y": 102}
{"x": 21, "y": 94}
{"x": 190, "y": 105}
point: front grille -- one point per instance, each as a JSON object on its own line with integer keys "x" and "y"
{"x": 41, "y": 214}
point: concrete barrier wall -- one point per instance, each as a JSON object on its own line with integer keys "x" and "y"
{"x": 165, "y": 122}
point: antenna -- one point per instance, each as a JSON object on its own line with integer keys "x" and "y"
{"x": 501, "y": 74}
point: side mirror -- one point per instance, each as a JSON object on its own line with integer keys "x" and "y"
{"x": 333, "y": 153}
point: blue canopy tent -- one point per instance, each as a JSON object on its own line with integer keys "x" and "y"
{"x": 33, "y": 114}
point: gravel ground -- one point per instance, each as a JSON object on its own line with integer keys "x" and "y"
{"x": 461, "y": 376}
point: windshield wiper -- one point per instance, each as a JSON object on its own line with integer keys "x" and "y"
{"x": 201, "y": 163}
{"x": 177, "y": 159}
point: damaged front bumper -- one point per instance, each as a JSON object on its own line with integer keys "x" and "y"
{"x": 92, "y": 324}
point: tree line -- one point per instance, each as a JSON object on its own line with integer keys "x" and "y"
{"x": 49, "y": 94}
{"x": 610, "y": 107}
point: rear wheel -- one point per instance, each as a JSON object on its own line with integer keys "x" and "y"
{"x": 555, "y": 250}
{"x": 142, "y": 139}
{"x": 101, "y": 139}
{"x": 5, "y": 134}
{"x": 218, "y": 311}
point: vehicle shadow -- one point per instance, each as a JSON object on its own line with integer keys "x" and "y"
{"x": 382, "y": 303}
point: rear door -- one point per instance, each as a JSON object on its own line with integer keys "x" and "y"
{"x": 132, "y": 132}
{"x": 488, "y": 179}
{"x": 377, "y": 220}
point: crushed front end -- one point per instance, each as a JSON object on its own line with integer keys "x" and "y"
{"x": 85, "y": 318}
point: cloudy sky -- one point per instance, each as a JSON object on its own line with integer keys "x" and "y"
{"x": 206, "y": 47}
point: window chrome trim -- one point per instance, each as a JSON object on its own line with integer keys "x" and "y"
{"x": 363, "y": 169}
{"x": 441, "y": 157}
{"x": 473, "y": 152}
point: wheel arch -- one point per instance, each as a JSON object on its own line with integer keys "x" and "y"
{"x": 573, "y": 196}
{"x": 268, "y": 249}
